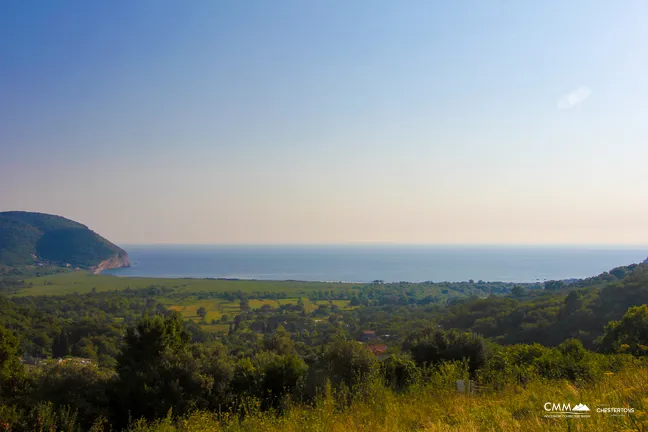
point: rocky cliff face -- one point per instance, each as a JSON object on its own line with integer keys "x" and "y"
{"x": 116, "y": 261}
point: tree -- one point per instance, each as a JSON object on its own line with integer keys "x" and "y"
{"x": 573, "y": 302}
{"x": 217, "y": 372}
{"x": 399, "y": 371}
{"x": 279, "y": 375}
{"x": 85, "y": 348}
{"x": 61, "y": 345}
{"x": 156, "y": 371}
{"x": 347, "y": 362}
{"x": 12, "y": 373}
{"x": 630, "y": 334}
{"x": 553, "y": 285}
{"x": 619, "y": 272}
{"x": 201, "y": 312}
{"x": 518, "y": 291}
{"x": 244, "y": 304}
{"x": 279, "y": 341}
{"x": 71, "y": 384}
{"x": 433, "y": 345}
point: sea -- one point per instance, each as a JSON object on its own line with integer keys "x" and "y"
{"x": 366, "y": 263}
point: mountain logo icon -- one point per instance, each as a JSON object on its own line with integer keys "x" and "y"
{"x": 581, "y": 408}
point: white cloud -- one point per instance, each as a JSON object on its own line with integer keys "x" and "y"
{"x": 574, "y": 97}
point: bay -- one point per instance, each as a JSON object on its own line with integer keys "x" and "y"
{"x": 365, "y": 263}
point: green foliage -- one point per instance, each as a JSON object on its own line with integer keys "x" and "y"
{"x": 629, "y": 335}
{"x": 90, "y": 325}
{"x": 27, "y": 238}
{"x": 436, "y": 407}
{"x": 347, "y": 362}
{"x": 580, "y": 310}
{"x": 521, "y": 364}
{"x": 17, "y": 242}
{"x": 280, "y": 375}
{"x": 279, "y": 341}
{"x": 518, "y": 291}
{"x": 154, "y": 370}
{"x": 287, "y": 349}
{"x": 74, "y": 246}
{"x": 432, "y": 345}
{"x": 72, "y": 384}
{"x": 553, "y": 285}
{"x": 12, "y": 378}
{"x": 399, "y": 371}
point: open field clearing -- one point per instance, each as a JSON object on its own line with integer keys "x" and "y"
{"x": 216, "y": 308}
{"x": 84, "y": 282}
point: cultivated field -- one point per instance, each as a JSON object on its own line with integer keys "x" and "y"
{"x": 84, "y": 282}
{"x": 187, "y": 295}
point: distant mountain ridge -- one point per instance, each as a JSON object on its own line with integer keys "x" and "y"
{"x": 28, "y": 238}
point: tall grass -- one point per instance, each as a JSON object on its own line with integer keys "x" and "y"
{"x": 437, "y": 406}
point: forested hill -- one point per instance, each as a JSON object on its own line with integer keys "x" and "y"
{"x": 28, "y": 238}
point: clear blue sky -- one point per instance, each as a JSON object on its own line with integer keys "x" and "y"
{"x": 329, "y": 121}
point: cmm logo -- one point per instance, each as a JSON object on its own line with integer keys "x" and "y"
{"x": 565, "y": 408}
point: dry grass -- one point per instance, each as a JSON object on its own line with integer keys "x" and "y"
{"x": 438, "y": 408}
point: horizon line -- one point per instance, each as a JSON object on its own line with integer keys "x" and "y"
{"x": 631, "y": 245}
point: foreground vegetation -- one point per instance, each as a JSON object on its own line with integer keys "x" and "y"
{"x": 438, "y": 407}
{"x": 183, "y": 354}
{"x": 163, "y": 382}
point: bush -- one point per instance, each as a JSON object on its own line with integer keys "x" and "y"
{"x": 71, "y": 384}
{"x": 432, "y": 345}
{"x": 399, "y": 371}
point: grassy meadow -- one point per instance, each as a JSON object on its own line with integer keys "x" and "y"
{"x": 83, "y": 282}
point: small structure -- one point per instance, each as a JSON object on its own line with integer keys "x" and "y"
{"x": 378, "y": 350}
{"x": 29, "y": 360}
{"x": 470, "y": 386}
{"x": 461, "y": 386}
{"x": 368, "y": 335}
{"x": 74, "y": 360}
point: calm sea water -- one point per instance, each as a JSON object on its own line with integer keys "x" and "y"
{"x": 368, "y": 263}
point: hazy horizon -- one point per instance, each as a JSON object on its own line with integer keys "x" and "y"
{"x": 287, "y": 122}
{"x": 629, "y": 246}
{"x": 493, "y": 245}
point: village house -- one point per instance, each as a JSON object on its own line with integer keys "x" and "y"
{"x": 379, "y": 350}
{"x": 368, "y": 335}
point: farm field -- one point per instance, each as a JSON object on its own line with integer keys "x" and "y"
{"x": 188, "y": 295}
{"x": 217, "y": 308}
{"x": 84, "y": 282}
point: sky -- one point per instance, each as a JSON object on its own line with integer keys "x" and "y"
{"x": 312, "y": 122}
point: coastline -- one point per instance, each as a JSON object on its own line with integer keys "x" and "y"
{"x": 116, "y": 261}
{"x": 526, "y": 265}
